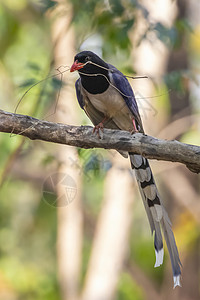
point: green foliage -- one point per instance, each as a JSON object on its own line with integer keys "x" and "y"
{"x": 9, "y": 27}
{"x": 46, "y": 5}
{"x": 112, "y": 23}
{"x": 174, "y": 81}
{"x": 128, "y": 289}
{"x": 93, "y": 165}
{"x": 191, "y": 137}
{"x": 27, "y": 224}
{"x": 167, "y": 35}
{"x": 27, "y": 238}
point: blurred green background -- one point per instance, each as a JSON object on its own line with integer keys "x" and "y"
{"x": 28, "y": 224}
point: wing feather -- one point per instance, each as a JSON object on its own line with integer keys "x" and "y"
{"x": 124, "y": 87}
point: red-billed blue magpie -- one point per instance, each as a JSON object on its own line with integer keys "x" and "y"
{"x": 107, "y": 98}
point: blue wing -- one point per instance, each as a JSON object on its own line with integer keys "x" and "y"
{"x": 79, "y": 94}
{"x": 122, "y": 84}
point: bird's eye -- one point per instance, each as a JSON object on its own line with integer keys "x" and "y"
{"x": 87, "y": 58}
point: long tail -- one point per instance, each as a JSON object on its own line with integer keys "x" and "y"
{"x": 157, "y": 215}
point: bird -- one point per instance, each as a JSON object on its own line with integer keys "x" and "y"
{"x": 107, "y": 98}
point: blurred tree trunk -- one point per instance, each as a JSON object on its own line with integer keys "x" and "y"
{"x": 180, "y": 180}
{"x": 110, "y": 243}
{"x": 150, "y": 58}
{"x": 179, "y": 61}
{"x": 69, "y": 231}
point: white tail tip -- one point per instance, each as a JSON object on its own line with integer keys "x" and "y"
{"x": 177, "y": 281}
{"x": 159, "y": 258}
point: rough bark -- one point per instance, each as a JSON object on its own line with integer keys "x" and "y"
{"x": 82, "y": 136}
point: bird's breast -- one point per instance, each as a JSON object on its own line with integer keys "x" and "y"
{"x": 113, "y": 106}
{"x": 108, "y": 102}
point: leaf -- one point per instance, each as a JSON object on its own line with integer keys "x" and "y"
{"x": 28, "y": 83}
{"x": 48, "y": 159}
{"x": 174, "y": 80}
{"x": 57, "y": 83}
{"x": 46, "y": 4}
{"x": 33, "y": 66}
{"x": 166, "y": 35}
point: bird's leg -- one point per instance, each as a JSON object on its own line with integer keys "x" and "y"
{"x": 134, "y": 126}
{"x": 100, "y": 126}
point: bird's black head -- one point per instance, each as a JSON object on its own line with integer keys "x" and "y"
{"x": 88, "y": 64}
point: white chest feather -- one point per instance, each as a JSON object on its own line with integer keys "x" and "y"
{"x": 108, "y": 102}
{"x": 113, "y": 106}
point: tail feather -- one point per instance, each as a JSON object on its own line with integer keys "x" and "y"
{"x": 172, "y": 248}
{"x": 155, "y": 228}
{"x": 157, "y": 215}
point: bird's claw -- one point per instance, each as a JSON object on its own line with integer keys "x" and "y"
{"x": 97, "y": 129}
{"x": 132, "y": 131}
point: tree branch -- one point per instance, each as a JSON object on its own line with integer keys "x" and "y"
{"x": 82, "y": 136}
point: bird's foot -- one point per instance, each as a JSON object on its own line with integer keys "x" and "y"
{"x": 132, "y": 131}
{"x": 100, "y": 126}
{"x": 97, "y": 129}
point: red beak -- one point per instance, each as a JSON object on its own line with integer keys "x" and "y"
{"x": 76, "y": 66}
